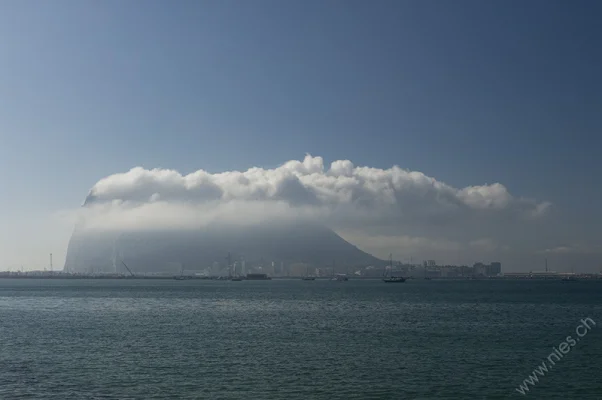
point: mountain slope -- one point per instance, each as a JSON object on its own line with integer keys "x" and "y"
{"x": 162, "y": 251}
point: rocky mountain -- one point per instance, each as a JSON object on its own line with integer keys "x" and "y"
{"x": 165, "y": 251}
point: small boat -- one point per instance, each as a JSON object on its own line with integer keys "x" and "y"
{"x": 426, "y": 278}
{"x": 181, "y": 277}
{"x": 338, "y": 277}
{"x": 391, "y": 278}
{"x": 394, "y": 279}
{"x": 570, "y": 278}
{"x": 258, "y": 277}
{"x": 308, "y": 277}
{"x": 233, "y": 276}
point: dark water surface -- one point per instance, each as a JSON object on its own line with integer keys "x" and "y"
{"x": 292, "y": 339}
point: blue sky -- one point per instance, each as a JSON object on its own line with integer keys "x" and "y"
{"x": 468, "y": 92}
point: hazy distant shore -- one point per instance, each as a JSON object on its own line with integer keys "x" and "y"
{"x": 65, "y": 275}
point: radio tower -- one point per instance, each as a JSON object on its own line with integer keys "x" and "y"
{"x": 50, "y": 262}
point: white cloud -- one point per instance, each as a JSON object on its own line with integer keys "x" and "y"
{"x": 380, "y": 210}
{"x": 540, "y": 209}
{"x": 344, "y": 195}
{"x": 559, "y": 249}
{"x": 572, "y": 249}
{"x": 158, "y": 214}
{"x": 488, "y": 196}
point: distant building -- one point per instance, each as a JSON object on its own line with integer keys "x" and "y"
{"x": 450, "y": 271}
{"x": 431, "y": 263}
{"x": 493, "y": 269}
{"x": 299, "y": 269}
{"x": 479, "y": 269}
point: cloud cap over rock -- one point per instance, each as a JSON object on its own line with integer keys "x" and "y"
{"x": 342, "y": 195}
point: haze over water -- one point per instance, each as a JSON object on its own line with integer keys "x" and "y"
{"x": 290, "y": 339}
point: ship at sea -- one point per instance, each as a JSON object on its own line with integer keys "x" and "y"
{"x": 391, "y": 278}
{"x": 308, "y": 277}
{"x": 570, "y": 277}
{"x": 337, "y": 276}
{"x": 258, "y": 277}
{"x": 181, "y": 277}
{"x": 233, "y": 274}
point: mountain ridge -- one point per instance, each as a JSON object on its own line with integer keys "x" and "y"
{"x": 162, "y": 250}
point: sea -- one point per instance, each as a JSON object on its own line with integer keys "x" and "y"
{"x": 294, "y": 339}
